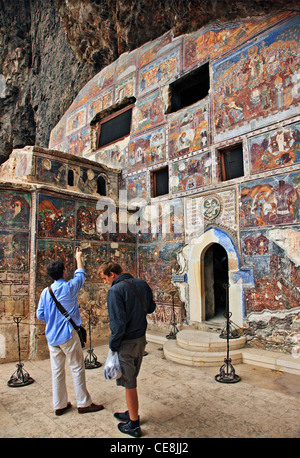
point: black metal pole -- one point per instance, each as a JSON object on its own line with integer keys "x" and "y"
{"x": 174, "y": 329}
{"x": 20, "y": 377}
{"x": 228, "y": 375}
{"x": 90, "y": 361}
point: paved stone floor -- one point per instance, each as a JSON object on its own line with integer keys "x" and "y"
{"x": 175, "y": 402}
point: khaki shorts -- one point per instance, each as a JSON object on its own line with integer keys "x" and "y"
{"x": 131, "y": 354}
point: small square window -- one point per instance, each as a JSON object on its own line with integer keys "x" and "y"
{"x": 190, "y": 88}
{"x": 114, "y": 127}
{"x": 232, "y": 162}
{"x": 160, "y": 182}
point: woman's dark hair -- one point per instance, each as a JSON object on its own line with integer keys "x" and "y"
{"x": 109, "y": 267}
{"x": 56, "y": 269}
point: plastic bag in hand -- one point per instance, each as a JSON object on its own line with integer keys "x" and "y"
{"x": 112, "y": 368}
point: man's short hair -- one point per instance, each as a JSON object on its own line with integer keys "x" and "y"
{"x": 110, "y": 267}
{"x": 56, "y": 269}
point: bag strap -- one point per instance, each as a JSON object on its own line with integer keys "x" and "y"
{"x": 138, "y": 294}
{"x": 62, "y": 310}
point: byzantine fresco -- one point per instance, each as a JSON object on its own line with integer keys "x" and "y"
{"x": 102, "y": 101}
{"x": 56, "y": 217}
{"x": 76, "y": 120}
{"x": 162, "y": 221}
{"x": 113, "y": 156}
{"x": 157, "y": 263}
{"x": 272, "y": 201}
{"x": 147, "y": 149}
{"x": 275, "y": 148}
{"x": 80, "y": 143}
{"x": 48, "y": 251}
{"x": 159, "y": 71}
{"x": 51, "y": 171}
{"x": 188, "y": 130}
{"x": 257, "y": 80}
{"x": 126, "y": 65}
{"x": 126, "y": 88}
{"x": 137, "y": 186}
{"x": 14, "y": 209}
{"x": 148, "y": 113}
{"x": 275, "y": 255}
{"x": 87, "y": 181}
{"x": 125, "y": 255}
{"x": 191, "y": 173}
{"x": 94, "y": 254}
{"x": 87, "y": 216}
{"x": 211, "y": 41}
{"x": 14, "y": 251}
{"x": 152, "y": 50}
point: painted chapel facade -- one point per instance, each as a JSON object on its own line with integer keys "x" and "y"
{"x": 181, "y": 161}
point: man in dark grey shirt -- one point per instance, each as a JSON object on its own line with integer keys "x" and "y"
{"x": 128, "y": 300}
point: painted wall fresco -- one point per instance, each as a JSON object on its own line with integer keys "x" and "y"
{"x": 148, "y": 113}
{"x": 257, "y": 80}
{"x": 211, "y": 41}
{"x": 54, "y": 172}
{"x": 275, "y": 255}
{"x": 87, "y": 216}
{"x": 271, "y": 201}
{"x": 56, "y": 217}
{"x": 48, "y": 251}
{"x": 113, "y": 156}
{"x": 125, "y": 255}
{"x": 137, "y": 186}
{"x": 162, "y": 221}
{"x": 188, "y": 130}
{"x": 158, "y": 72}
{"x": 154, "y": 49}
{"x": 147, "y": 149}
{"x": 276, "y": 148}
{"x": 14, "y": 251}
{"x": 191, "y": 173}
{"x": 156, "y": 264}
{"x": 51, "y": 171}
{"x": 14, "y": 209}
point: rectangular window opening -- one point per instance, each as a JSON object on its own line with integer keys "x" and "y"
{"x": 232, "y": 162}
{"x": 190, "y": 88}
{"x": 115, "y": 127}
{"x": 160, "y": 182}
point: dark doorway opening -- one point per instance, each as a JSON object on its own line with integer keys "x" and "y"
{"x": 216, "y": 276}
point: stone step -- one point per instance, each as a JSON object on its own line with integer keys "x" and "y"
{"x": 196, "y": 340}
{"x": 180, "y": 355}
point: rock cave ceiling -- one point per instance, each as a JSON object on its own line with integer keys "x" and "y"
{"x": 51, "y": 48}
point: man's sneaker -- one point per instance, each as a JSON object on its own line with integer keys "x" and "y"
{"x": 127, "y": 429}
{"x": 122, "y": 416}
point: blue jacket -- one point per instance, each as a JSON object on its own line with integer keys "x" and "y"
{"x": 58, "y": 328}
{"x": 127, "y": 317}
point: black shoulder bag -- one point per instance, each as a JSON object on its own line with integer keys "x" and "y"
{"x": 80, "y": 329}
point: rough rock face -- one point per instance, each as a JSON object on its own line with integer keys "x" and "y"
{"x": 50, "y": 48}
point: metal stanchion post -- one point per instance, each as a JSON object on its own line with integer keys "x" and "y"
{"x": 227, "y": 373}
{"x": 174, "y": 329}
{"x": 90, "y": 361}
{"x": 20, "y": 377}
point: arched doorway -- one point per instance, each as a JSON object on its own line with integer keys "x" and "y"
{"x": 215, "y": 277}
{"x": 237, "y": 278}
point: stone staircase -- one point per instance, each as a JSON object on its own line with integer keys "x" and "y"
{"x": 203, "y": 348}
